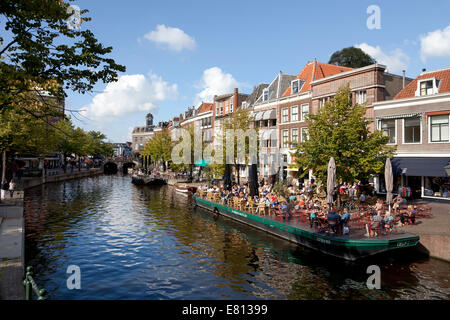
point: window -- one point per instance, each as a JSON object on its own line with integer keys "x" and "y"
{"x": 294, "y": 113}
{"x": 305, "y": 135}
{"x": 273, "y": 122}
{"x": 387, "y": 127}
{"x": 244, "y": 105}
{"x": 295, "y": 86}
{"x": 439, "y": 128}
{"x": 294, "y": 134}
{"x": 217, "y": 107}
{"x": 231, "y": 106}
{"x": 362, "y": 96}
{"x": 266, "y": 94}
{"x": 411, "y": 130}
{"x": 285, "y": 138}
{"x": 322, "y": 102}
{"x": 426, "y": 88}
{"x": 265, "y": 123}
{"x": 305, "y": 111}
{"x": 285, "y": 158}
{"x": 285, "y": 115}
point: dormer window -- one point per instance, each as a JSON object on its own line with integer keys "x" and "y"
{"x": 244, "y": 104}
{"x": 266, "y": 94}
{"x": 427, "y": 87}
{"x": 295, "y": 86}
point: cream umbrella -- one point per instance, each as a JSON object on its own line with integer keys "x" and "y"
{"x": 331, "y": 180}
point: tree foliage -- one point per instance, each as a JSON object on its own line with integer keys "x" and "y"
{"x": 159, "y": 147}
{"x": 351, "y": 57}
{"x": 340, "y": 130}
{"x": 38, "y": 48}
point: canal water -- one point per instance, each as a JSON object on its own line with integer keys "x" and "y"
{"x": 151, "y": 243}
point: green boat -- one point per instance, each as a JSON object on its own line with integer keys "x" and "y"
{"x": 352, "y": 246}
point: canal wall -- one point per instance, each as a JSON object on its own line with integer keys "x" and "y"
{"x": 434, "y": 233}
{"x": 12, "y": 248}
{"x": 30, "y": 183}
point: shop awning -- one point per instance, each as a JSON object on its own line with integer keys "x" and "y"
{"x": 418, "y": 167}
{"x": 400, "y": 116}
{"x": 270, "y": 114}
{"x": 259, "y": 115}
{"x": 270, "y": 134}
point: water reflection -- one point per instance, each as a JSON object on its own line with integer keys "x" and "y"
{"x": 151, "y": 243}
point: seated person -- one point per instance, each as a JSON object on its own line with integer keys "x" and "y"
{"x": 376, "y": 222}
{"x": 362, "y": 197}
{"x": 292, "y": 197}
{"x": 411, "y": 214}
{"x": 313, "y": 219}
{"x": 284, "y": 210}
{"x": 388, "y": 221}
{"x": 345, "y": 217}
{"x": 403, "y": 218}
{"x": 333, "y": 218}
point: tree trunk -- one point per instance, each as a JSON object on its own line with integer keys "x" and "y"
{"x": 64, "y": 163}
{"x": 238, "y": 174}
{"x": 3, "y": 166}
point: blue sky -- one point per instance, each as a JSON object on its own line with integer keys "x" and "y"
{"x": 178, "y": 53}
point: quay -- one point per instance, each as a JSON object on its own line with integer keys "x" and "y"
{"x": 12, "y": 232}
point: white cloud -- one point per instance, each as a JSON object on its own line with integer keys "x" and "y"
{"x": 215, "y": 82}
{"x": 435, "y": 44}
{"x": 175, "y": 39}
{"x": 395, "y": 62}
{"x": 130, "y": 94}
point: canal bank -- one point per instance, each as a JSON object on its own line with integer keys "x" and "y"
{"x": 434, "y": 233}
{"x": 12, "y": 252}
{"x": 12, "y": 233}
{"x": 26, "y": 183}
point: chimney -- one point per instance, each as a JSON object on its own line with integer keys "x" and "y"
{"x": 403, "y": 78}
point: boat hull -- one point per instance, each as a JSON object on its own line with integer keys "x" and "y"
{"x": 345, "y": 248}
{"x": 142, "y": 180}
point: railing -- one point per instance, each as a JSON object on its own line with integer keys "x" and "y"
{"x": 30, "y": 284}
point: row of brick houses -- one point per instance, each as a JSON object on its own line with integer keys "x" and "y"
{"x": 413, "y": 112}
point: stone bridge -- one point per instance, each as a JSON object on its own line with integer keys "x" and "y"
{"x": 114, "y": 165}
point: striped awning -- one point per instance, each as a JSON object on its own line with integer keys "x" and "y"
{"x": 270, "y": 134}
{"x": 259, "y": 115}
{"x": 400, "y": 116}
{"x": 270, "y": 114}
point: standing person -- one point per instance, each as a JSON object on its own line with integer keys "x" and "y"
{"x": 4, "y": 187}
{"x": 12, "y": 186}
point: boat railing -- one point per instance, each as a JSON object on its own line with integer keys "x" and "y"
{"x": 360, "y": 217}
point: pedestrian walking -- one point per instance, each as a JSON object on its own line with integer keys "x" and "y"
{"x": 12, "y": 186}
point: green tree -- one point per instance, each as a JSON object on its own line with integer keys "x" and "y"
{"x": 351, "y": 57}
{"x": 37, "y": 45}
{"x": 238, "y": 120}
{"x": 159, "y": 147}
{"x": 340, "y": 130}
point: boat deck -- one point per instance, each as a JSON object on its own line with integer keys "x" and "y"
{"x": 355, "y": 234}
